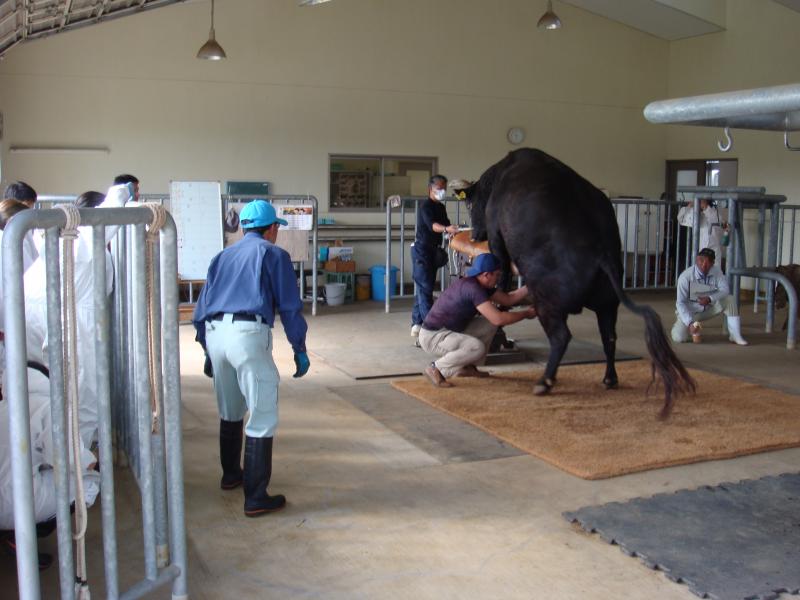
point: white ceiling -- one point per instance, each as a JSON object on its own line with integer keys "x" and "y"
{"x": 655, "y": 17}
{"x": 22, "y": 20}
{"x": 793, "y": 4}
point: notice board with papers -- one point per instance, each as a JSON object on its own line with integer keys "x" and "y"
{"x": 196, "y": 207}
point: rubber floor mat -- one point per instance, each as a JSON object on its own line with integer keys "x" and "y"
{"x": 733, "y": 541}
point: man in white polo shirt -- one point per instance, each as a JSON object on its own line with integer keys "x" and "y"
{"x": 703, "y": 293}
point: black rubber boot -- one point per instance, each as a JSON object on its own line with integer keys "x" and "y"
{"x": 230, "y": 453}
{"x": 257, "y": 472}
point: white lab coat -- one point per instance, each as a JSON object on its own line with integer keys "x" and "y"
{"x": 711, "y": 232}
{"x": 29, "y": 255}
{"x": 36, "y": 312}
{"x": 44, "y": 492}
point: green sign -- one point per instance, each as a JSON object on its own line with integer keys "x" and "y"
{"x": 247, "y": 188}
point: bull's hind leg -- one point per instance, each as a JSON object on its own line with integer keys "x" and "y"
{"x": 607, "y": 323}
{"x": 558, "y": 335}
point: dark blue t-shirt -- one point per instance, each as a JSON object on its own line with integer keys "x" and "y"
{"x": 457, "y": 305}
{"x": 426, "y": 239}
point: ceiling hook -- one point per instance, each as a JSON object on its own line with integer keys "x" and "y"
{"x": 787, "y": 144}
{"x": 728, "y": 141}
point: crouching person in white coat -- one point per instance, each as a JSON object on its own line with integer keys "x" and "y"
{"x": 703, "y": 293}
{"x": 42, "y": 459}
{"x": 36, "y": 309}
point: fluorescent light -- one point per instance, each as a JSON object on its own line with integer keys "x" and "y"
{"x": 59, "y": 149}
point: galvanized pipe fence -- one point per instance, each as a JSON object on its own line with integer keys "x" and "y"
{"x": 227, "y": 200}
{"x": 141, "y": 421}
{"x": 655, "y": 248}
{"x": 455, "y": 210}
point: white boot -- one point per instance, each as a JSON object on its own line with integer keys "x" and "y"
{"x": 735, "y": 331}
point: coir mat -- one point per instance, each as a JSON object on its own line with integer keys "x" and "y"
{"x": 595, "y": 433}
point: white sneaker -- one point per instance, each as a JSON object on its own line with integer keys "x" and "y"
{"x": 415, "y": 330}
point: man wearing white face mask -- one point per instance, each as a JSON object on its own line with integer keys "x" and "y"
{"x": 432, "y": 222}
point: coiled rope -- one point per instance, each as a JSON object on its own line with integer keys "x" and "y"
{"x": 69, "y": 233}
{"x": 153, "y": 231}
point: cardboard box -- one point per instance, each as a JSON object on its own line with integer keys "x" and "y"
{"x": 340, "y": 253}
{"x": 340, "y": 266}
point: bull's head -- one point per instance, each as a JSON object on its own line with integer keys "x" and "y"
{"x": 476, "y": 199}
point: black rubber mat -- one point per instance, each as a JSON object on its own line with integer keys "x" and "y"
{"x": 395, "y": 360}
{"x": 446, "y": 438}
{"x": 578, "y": 352}
{"x": 402, "y": 358}
{"x": 734, "y": 541}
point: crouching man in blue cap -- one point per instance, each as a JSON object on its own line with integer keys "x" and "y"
{"x": 463, "y": 320}
{"x": 246, "y": 284}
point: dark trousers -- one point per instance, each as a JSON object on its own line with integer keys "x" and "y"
{"x": 425, "y": 278}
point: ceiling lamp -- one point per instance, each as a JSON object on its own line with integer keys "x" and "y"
{"x": 311, "y": 2}
{"x": 549, "y": 19}
{"x": 211, "y": 50}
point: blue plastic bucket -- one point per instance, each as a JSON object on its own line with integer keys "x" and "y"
{"x": 378, "y": 274}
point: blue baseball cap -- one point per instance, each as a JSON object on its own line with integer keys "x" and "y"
{"x": 259, "y": 213}
{"x": 483, "y": 263}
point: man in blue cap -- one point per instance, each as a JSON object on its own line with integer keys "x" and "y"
{"x": 246, "y": 284}
{"x": 463, "y": 320}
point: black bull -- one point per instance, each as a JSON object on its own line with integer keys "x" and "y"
{"x": 562, "y": 234}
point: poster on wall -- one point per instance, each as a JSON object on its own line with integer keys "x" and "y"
{"x": 298, "y": 216}
{"x": 196, "y": 207}
{"x": 294, "y": 241}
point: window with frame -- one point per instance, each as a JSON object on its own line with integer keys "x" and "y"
{"x": 363, "y": 182}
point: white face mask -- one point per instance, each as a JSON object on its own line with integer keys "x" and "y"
{"x": 438, "y": 194}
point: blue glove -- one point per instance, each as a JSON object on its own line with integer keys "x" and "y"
{"x": 302, "y": 363}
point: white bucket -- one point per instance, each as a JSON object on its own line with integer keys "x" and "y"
{"x": 334, "y": 293}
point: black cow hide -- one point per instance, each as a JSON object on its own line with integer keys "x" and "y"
{"x": 562, "y": 234}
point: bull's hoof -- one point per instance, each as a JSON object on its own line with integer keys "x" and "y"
{"x": 611, "y": 384}
{"x": 543, "y": 387}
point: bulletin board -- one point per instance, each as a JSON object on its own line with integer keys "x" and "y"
{"x": 196, "y": 207}
{"x": 292, "y": 239}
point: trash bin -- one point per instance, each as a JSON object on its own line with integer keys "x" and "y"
{"x": 362, "y": 287}
{"x": 378, "y": 273}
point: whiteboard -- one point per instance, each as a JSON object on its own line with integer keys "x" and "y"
{"x": 196, "y": 207}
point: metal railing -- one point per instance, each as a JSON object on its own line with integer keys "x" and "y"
{"x": 650, "y": 241}
{"x": 655, "y": 248}
{"x": 155, "y": 452}
{"x": 164, "y": 199}
{"x": 452, "y": 204}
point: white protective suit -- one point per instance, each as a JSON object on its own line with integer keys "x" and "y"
{"x": 44, "y": 492}
{"x": 29, "y": 255}
{"x": 36, "y": 311}
{"x": 711, "y": 232}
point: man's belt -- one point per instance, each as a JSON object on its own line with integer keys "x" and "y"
{"x": 236, "y": 317}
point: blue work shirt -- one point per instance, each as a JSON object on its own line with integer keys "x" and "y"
{"x": 253, "y": 277}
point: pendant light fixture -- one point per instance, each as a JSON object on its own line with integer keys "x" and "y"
{"x": 549, "y": 19}
{"x": 211, "y": 50}
{"x": 310, "y": 2}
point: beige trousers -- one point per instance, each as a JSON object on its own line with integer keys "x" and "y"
{"x": 458, "y": 350}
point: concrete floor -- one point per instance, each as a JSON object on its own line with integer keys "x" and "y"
{"x": 389, "y": 498}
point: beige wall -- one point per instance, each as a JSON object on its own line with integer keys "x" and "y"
{"x": 443, "y": 78}
{"x": 760, "y": 48}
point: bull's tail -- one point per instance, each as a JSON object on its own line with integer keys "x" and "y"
{"x": 665, "y": 363}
